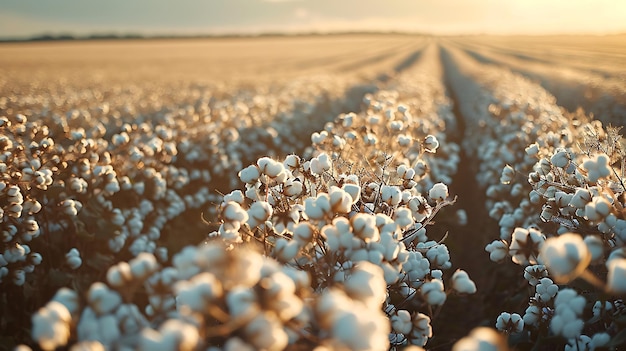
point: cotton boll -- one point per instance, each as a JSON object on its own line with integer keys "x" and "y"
{"x": 565, "y": 256}
{"x": 68, "y": 298}
{"x": 293, "y": 188}
{"x": 143, "y": 265}
{"x": 317, "y": 208}
{"x": 616, "y": 277}
{"x": 401, "y": 322}
{"x": 303, "y": 233}
{"x": 249, "y": 174}
{"x": 366, "y": 283}
{"x": 51, "y": 326}
{"x": 433, "y": 292}
{"x": 198, "y": 292}
{"x": 510, "y": 323}
{"x": 364, "y": 226}
{"x": 462, "y": 283}
{"x": 286, "y": 250}
{"x": 391, "y": 195}
{"x": 353, "y": 190}
{"x": 596, "y": 247}
{"x": 102, "y": 299}
{"x": 72, "y": 258}
{"x": 234, "y": 214}
{"x": 180, "y": 335}
{"x": 270, "y": 167}
{"x": 265, "y": 332}
{"x": 258, "y": 213}
{"x": 545, "y": 290}
{"x": 242, "y": 302}
{"x": 119, "y": 274}
{"x": 431, "y": 143}
{"x": 438, "y": 255}
{"x": 340, "y": 201}
{"x": 438, "y": 192}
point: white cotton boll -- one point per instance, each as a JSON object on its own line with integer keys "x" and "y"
{"x": 286, "y": 250}
{"x": 567, "y": 325}
{"x": 353, "y": 190}
{"x": 68, "y": 298}
{"x": 72, "y": 258}
{"x": 532, "y": 149}
{"x": 404, "y": 140}
{"x": 525, "y": 244}
{"x": 303, "y": 233}
{"x": 510, "y": 323}
{"x": 616, "y": 277}
{"x": 198, "y": 292}
{"x": 265, "y": 332}
{"x": 532, "y": 315}
{"x": 438, "y": 192}
{"x": 391, "y": 195}
{"x": 431, "y": 143}
{"x": 364, "y": 227}
{"x": 403, "y": 217}
{"x": 102, "y": 299}
{"x": 316, "y": 167}
{"x": 249, "y": 174}
{"x": 340, "y": 201}
{"x": 596, "y": 247}
{"x": 258, "y": 213}
{"x": 433, "y": 292}
{"x": 600, "y": 308}
{"x": 545, "y": 290}
{"x": 561, "y": 158}
{"x": 235, "y": 344}
{"x": 235, "y": 196}
{"x": 234, "y": 214}
{"x": 241, "y": 302}
{"x": 366, "y": 283}
{"x": 109, "y": 330}
{"x": 508, "y": 174}
{"x": 438, "y": 255}
{"x": 293, "y": 188}
{"x": 182, "y": 336}
{"x": 292, "y": 162}
{"x": 482, "y": 339}
{"x": 51, "y": 326}
{"x": 462, "y": 283}
{"x": 270, "y": 167}
{"x": 581, "y": 198}
{"x": 317, "y": 208}
{"x": 565, "y": 256}
{"x": 143, "y": 265}
{"x": 601, "y": 339}
{"x": 401, "y": 322}
{"x": 597, "y": 209}
{"x": 318, "y": 138}
{"x": 597, "y": 167}
{"x": 119, "y": 274}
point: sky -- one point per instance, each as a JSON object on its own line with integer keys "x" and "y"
{"x": 24, "y": 18}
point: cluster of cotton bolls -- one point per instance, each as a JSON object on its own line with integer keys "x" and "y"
{"x": 220, "y": 298}
{"x": 309, "y": 217}
{"x": 69, "y": 180}
{"x": 335, "y": 211}
{"x": 558, "y": 200}
{"x": 412, "y": 117}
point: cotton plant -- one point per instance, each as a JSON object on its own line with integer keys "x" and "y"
{"x": 312, "y": 217}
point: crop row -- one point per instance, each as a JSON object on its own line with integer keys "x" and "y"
{"x": 555, "y": 184}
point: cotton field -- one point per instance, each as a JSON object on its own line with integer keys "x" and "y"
{"x": 344, "y": 192}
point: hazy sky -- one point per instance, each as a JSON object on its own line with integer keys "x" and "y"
{"x": 20, "y": 18}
